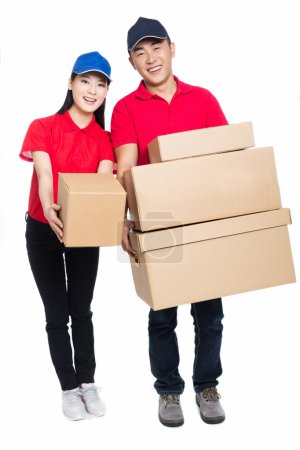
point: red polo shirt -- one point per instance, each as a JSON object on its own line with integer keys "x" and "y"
{"x": 141, "y": 116}
{"x": 71, "y": 150}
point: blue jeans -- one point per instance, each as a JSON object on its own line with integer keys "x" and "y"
{"x": 164, "y": 353}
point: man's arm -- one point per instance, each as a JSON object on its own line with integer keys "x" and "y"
{"x": 126, "y": 156}
{"x": 215, "y": 116}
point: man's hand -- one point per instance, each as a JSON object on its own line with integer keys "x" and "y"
{"x": 128, "y": 225}
{"x": 54, "y": 222}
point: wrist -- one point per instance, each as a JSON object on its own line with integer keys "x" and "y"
{"x": 47, "y": 210}
{"x": 46, "y": 207}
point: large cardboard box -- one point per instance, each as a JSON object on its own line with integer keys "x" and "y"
{"x": 201, "y": 142}
{"x": 202, "y": 188}
{"x": 92, "y": 209}
{"x": 213, "y": 259}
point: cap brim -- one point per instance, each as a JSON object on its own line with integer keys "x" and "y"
{"x": 92, "y": 70}
{"x": 145, "y": 37}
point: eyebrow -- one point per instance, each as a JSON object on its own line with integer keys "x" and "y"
{"x": 154, "y": 42}
{"x": 85, "y": 75}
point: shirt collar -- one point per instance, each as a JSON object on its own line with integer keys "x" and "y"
{"x": 69, "y": 125}
{"x": 143, "y": 93}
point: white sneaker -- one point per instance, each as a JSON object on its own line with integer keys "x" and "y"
{"x": 73, "y": 407}
{"x": 93, "y": 403}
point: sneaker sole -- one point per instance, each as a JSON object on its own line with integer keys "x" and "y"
{"x": 96, "y": 414}
{"x": 212, "y": 420}
{"x": 74, "y": 419}
{"x": 168, "y": 423}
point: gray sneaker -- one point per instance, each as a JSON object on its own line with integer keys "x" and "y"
{"x": 170, "y": 412}
{"x": 211, "y": 410}
{"x": 90, "y": 397}
{"x": 72, "y": 405}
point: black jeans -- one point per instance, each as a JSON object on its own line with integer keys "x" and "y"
{"x": 65, "y": 278}
{"x": 164, "y": 353}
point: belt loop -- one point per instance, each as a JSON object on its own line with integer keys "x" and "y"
{"x": 26, "y": 216}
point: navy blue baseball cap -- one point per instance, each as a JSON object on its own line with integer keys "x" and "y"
{"x": 145, "y": 28}
{"x": 92, "y": 62}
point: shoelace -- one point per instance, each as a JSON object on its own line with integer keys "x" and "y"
{"x": 171, "y": 399}
{"x": 211, "y": 394}
{"x": 90, "y": 388}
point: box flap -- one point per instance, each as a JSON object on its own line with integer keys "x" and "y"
{"x": 89, "y": 183}
{"x": 152, "y": 240}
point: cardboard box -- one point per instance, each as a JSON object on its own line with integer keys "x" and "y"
{"x": 202, "y": 188}
{"x": 201, "y": 142}
{"x": 92, "y": 209}
{"x": 213, "y": 259}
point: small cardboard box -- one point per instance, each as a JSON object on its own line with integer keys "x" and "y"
{"x": 201, "y": 142}
{"x": 92, "y": 209}
{"x": 213, "y": 259}
{"x": 202, "y": 188}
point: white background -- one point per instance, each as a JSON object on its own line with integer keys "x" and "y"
{"x": 247, "y": 53}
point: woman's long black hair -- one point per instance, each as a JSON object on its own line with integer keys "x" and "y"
{"x": 99, "y": 113}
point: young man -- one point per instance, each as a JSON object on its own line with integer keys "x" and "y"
{"x": 162, "y": 104}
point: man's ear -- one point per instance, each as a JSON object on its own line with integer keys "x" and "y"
{"x": 131, "y": 62}
{"x": 172, "y": 47}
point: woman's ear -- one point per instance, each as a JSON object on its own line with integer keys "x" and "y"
{"x": 70, "y": 82}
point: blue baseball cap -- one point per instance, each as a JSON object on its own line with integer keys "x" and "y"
{"x": 145, "y": 28}
{"x": 92, "y": 61}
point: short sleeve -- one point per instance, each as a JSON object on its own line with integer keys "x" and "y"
{"x": 106, "y": 151}
{"x": 215, "y": 116}
{"x": 36, "y": 139}
{"x": 122, "y": 126}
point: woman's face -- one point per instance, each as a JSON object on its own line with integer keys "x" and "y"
{"x": 89, "y": 91}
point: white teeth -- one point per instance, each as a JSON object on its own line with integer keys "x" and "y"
{"x": 154, "y": 69}
{"x": 89, "y": 100}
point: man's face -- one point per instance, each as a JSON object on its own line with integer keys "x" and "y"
{"x": 152, "y": 58}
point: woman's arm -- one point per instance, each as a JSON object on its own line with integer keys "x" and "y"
{"x": 43, "y": 169}
{"x": 106, "y": 166}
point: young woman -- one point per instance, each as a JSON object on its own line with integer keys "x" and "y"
{"x": 72, "y": 140}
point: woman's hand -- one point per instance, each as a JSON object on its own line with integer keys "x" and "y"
{"x": 55, "y": 223}
{"x": 128, "y": 225}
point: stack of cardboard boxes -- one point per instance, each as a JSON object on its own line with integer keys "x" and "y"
{"x": 208, "y": 218}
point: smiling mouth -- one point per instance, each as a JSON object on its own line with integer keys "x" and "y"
{"x": 89, "y": 100}
{"x": 154, "y": 69}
